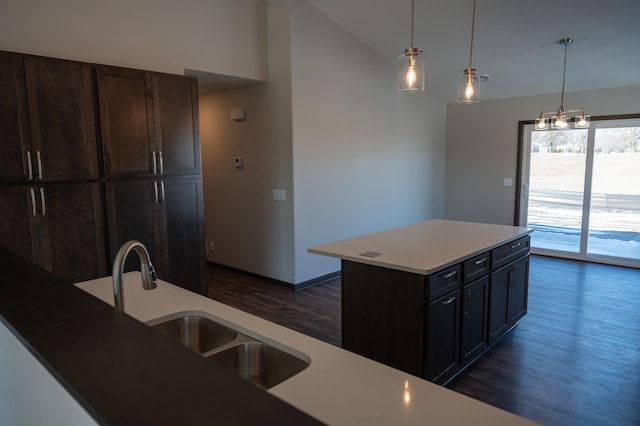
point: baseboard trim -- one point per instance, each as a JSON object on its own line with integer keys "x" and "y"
{"x": 294, "y": 287}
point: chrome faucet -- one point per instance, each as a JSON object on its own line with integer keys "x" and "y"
{"x": 146, "y": 269}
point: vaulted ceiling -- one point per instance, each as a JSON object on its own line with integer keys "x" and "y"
{"x": 516, "y": 41}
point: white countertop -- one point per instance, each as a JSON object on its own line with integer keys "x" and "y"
{"x": 338, "y": 387}
{"x": 424, "y": 247}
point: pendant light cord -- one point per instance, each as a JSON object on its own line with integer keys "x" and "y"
{"x": 473, "y": 25}
{"x": 412, "y": 9}
{"x": 564, "y": 74}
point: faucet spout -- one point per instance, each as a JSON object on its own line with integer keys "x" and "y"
{"x": 149, "y": 279}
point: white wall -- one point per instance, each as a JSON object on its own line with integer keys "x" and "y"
{"x": 251, "y": 231}
{"x": 329, "y": 128}
{"x": 482, "y": 144}
{"x": 221, "y": 36}
{"x": 366, "y": 158}
{"x": 29, "y": 395}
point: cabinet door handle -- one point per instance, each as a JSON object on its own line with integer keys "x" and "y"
{"x": 155, "y": 193}
{"x": 44, "y": 202}
{"x": 33, "y": 201}
{"x": 450, "y": 274}
{"x": 467, "y": 295}
{"x": 515, "y": 245}
{"x": 155, "y": 167}
{"x": 448, "y": 301}
{"x": 39, "y": 159}
{"x": 161, "y": 162}
{"x": 481, "y": 261}
{"x": 162, "y": 191}
{"x": 29, "y": 165}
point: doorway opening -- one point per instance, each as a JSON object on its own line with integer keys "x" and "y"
{"x": 579, "y": 189}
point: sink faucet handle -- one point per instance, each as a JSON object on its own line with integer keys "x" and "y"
{"x": 149, "y": 277}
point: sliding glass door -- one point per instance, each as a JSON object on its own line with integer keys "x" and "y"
{"x": 581, "y": 191}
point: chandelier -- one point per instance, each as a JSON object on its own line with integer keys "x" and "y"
{"x": 558, "y": 120}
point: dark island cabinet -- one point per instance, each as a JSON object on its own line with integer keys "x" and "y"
{"x": 443, "y": 337}
{"x": 475, "y": 304}
{"x": 149, "y": 123}
{"x": 162, "y": 215}
{"x": 509, "y": 290}
{"x": 47, "y": 118}
{"x": 433, "y": 326}
{"x": 58, "y": 226}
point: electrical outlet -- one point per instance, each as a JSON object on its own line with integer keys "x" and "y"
{"x": 279, "y": 195}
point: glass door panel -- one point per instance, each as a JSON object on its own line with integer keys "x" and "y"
{"x": 614, "y": 217}
{"x": 556, "y": 189}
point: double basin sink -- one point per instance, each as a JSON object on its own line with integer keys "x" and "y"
{"x": 260, "y": 363}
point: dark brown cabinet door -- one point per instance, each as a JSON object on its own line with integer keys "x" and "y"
{"x": 127, "y": 121}
{"x": 475, "y": 300}
{"x": 62, "y": 118}
{"x": 73, "y": 230}
{"x": 184, "y": 230}
{"x": 15, "y": 142}
{"x": 131, "y": 207}
{"x": 167, "y": 217}
{"x": 57, "y": 226}
{"x": 20, "y": 222}
{"x": 175, "y": 101}
{"x": 443, "y": 337}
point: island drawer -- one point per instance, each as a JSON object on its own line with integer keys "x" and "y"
{"x": 476, "y": 267}
{"x": 508, "y": 252}
{"x": 443, "y": 282}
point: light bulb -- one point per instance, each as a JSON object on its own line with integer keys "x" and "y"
{"x": 411, "y": 73}
{"x": 541, "y": 123}
{"x": 582, "y": 121}
{"x": 561, "y": 123}
{"x": 468, "y": 91}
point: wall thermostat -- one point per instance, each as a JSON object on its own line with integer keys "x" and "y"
{"x": 238, "y": 114}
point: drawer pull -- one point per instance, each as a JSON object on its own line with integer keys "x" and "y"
{"x": 515, "y": 245}
{"x": 481, "y": 261}
{"x": 33, "y": 201}
{"x": 448, "y": 301}
{"x": 44, "y": 202}
{"x": 154, "y": 165}
{"x": 450, "y": 274}
{"x": 29, "y": 165}
{"x": 39, "y": 160}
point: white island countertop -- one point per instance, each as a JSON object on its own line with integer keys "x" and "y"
{"x": 424, "y": 247}
{"x": 338, "y": 387}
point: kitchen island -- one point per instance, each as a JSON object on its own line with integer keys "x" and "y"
{"x": 120, "y": 371}
{"x": 432, "y": 297}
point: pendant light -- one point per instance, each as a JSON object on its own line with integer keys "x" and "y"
{"x": 469, "y": 85}
{"x": 411, "y": 65}
{"x": 560, "y": 121}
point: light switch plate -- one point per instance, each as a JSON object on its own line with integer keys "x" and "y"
{"x": 279, "y": 195}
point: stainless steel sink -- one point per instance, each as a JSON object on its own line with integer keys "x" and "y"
{"x": 197, "y": 333}
{"x": 260, "y": 363}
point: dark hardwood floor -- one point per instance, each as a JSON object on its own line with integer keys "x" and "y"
{"x": 574, "y": 359}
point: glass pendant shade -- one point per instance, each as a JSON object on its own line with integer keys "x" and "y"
{"x": 469, "y": 87}
{"x": 582, "y": 121}
{"x": 411, "y": 71}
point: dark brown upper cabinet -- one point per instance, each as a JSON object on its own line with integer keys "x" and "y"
{"x": 62, "y": 117}
{"x": 149, "y": 123}
{"x": 175, "y": 100}
{"x": 14, "y": 119}
{"x": 47, "y": 120}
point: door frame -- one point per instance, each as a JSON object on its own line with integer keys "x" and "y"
{"x": 522, "y": 189}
